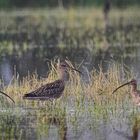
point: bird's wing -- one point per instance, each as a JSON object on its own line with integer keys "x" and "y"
{"x": 47, "y": 90}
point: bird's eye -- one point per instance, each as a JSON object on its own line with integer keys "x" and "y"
{"x": 63, "y": 65}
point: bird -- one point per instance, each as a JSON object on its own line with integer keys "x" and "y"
{"x": 54, "y": 89}
{"x": 135, "y": 94}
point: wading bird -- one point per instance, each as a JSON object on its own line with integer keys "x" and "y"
{"x": 133, "y": 91}
{"x": 52, "y": 90}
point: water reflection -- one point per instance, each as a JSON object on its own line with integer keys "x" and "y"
{"x": 6, "y": 70}
{"x": 32, "y": 124}
{"x": 135, "y": 131}
{"x": 9, "y": 128}
{"x": 45, "y": 123}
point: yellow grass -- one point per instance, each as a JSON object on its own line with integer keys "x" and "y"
{"x": 98, "y": 90}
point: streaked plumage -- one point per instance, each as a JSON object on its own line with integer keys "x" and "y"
{"x": 51, "y": 90}
{"x": 135, "y": 94}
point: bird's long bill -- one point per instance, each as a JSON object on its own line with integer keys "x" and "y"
{"x": 120, "y": 87}
{"x": 76, "y": 70}
{"x": 7, "y": 96}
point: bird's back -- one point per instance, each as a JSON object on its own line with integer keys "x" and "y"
{"x": 48, "y": 91}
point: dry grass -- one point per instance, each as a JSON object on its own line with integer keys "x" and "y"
{"x": 98, "y": 90}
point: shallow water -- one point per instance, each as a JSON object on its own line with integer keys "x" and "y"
{"x": 31, "y": 62}
{"x": 36, "y": 123}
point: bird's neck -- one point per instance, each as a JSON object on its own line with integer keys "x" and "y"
{"x": 63, "y": 76}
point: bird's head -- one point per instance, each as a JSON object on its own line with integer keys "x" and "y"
{"x": 64, "y": 66}
{"x": 132, "y": 82}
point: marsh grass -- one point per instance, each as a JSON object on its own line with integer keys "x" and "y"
{"x": 95, "y": 96}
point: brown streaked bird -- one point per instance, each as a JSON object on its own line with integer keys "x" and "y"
{"x": 133, "y": 91}
{"x": 52, "y": 90}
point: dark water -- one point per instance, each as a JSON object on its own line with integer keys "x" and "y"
{"x": 36, "y": 60}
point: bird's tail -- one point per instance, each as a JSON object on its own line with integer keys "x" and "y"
{"x": 7, "y": 96}
{"x": 28, "y": 96}
{"x": 25, "y": 96}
